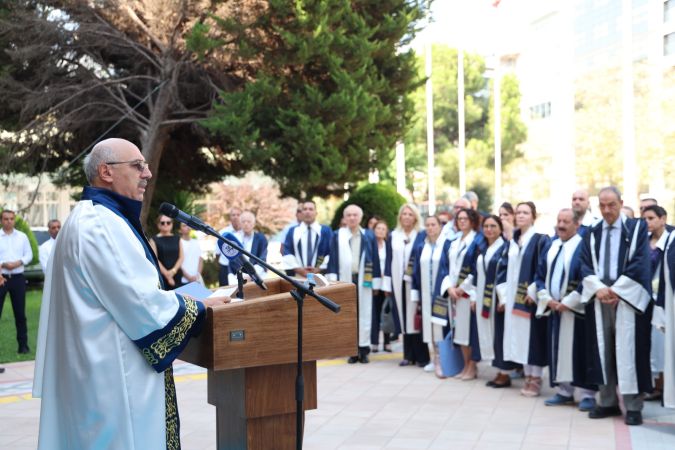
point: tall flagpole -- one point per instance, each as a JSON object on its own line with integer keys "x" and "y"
{"x": 460, "y": 119}
{"x": 497, "y": 133}
{"x": 400, "y": 169}
{"x": 630, "y": 167}
{"x": 430, "y": 134}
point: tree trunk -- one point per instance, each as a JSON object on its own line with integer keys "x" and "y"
{"x": 156, "y": 136}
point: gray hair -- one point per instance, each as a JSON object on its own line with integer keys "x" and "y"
{"x": 575, "y": 217}
{"x": 612, "y": 189}
{"x": 471, "y": 196}
{"x": 100, "y": 154}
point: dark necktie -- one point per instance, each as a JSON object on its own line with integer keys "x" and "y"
{"x": 308, "y": 259}
{"x": 606, "y": 263}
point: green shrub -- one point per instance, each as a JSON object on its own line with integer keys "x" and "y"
{"x": 22, "y": 225}
{"x": 210, "y": 270}
{"x": 379, "y": 199}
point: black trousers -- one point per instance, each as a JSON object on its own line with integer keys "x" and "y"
{"x": 16, "y": 286}
{"x": 222, "y": 275}
{"x": 378, "y": 303}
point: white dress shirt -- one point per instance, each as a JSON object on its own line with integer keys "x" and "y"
{"x": 44, "y": 251}
{"x": 14, "y": 247}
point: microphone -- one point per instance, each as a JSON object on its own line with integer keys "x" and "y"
{"x": 193, "y": 222}
{"x": 235, "y": 256}
{"x": 229, "y": 251}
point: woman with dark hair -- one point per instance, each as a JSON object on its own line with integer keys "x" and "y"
{"x": 166, "y": 246}
{"x": 462, "y": 261}
{"x": 490, "y": 314}
{"x": 656, "y": 218}
{"x": 430, "y": 268}
{"x": 525, "y": 335}
{"x": 381, "y": 231}
{"x": 507, "y": 216}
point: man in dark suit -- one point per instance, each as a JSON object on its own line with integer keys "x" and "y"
{"x": 252, "y": 241}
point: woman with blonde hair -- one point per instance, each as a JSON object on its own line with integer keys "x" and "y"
{"x": 398, "y": 281}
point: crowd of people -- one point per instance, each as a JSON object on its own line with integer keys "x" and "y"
{"x": 593, "y": 302}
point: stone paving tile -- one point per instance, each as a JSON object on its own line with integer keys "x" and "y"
{"x": 383, "y": 406}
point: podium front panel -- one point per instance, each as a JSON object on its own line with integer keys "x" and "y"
{"x": 262, "y": 330}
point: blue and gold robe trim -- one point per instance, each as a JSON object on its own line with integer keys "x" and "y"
{"x": 162, "y": 346}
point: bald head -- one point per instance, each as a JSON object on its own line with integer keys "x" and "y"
{"x": 118, "y": 165}
{"x": 580, "y": 203}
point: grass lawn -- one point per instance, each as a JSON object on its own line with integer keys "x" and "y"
{"x": 8, "y": 344}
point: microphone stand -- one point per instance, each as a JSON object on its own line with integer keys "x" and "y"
{"x": 301, "y": 290}
{"x": 240, "y": 284}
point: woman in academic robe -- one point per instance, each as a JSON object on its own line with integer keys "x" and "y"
{"x": 381, "y": 231}
{"x": 430, "y": 267}
{"x": 525, "y": 335}
{"x": 462, "y": 262}
{"x": 489, "y": 312}
{"x": 397, "y": 281}
{"x": 508, "y": 217}
{"x": 656, "y": 218}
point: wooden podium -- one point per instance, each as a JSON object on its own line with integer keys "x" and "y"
{"x": 250, "y": 351}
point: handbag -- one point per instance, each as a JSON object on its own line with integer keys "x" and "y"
{"x": 417, "y": 322}
{"x": 450, "y": 356}
{"x": 387, "y": 316}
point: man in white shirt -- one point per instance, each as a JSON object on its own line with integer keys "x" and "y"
{"x": 252, "y": 241}
{"x": 53, "y": 227}
{"x": 15, "y": 254}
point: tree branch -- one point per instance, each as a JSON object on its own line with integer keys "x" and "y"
{"x": 146, "y": 30}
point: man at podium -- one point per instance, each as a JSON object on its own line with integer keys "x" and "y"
{"x": 354, "y": 258}
{"x": 108, "y": 331}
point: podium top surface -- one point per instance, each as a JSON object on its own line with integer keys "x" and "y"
{"x": 262, "y": 330}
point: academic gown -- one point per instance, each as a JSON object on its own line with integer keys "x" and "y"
{"x": 429, "y": 269}
{"x": 525, "y": 335}
{"x": 633, "y": 313}
{"x": 665, "y": 320}
{"x": 462, "y": 261}
{"x": 295, "y": 246}
{"x": 567, "y": 337}
{"x": 397, "y": 279}
{"x": 108, "y": 334}
{"x": 484, "y": 295}
{"x": 369, "y": 276}
{"x": 258, "y": 248}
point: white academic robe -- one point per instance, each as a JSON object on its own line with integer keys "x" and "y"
{"x": 456, "y": 253}
{"x": 428, "y": 260}
{"x": 516, "y": 328}
{"x": 564, "y": 372}
{"x": 400, "y": 256}
{"x": 344, "y": 273}
{"x": 485, "y": 326}
{"x": 100, "y": 295}
{"x": 665, "y": 322}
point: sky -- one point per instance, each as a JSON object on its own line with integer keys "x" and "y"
{"x": 476, "y": 25}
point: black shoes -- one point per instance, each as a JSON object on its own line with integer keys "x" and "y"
{"x": 2, "y": 370}
{"x": 23, "y": 349}
{"x": 600, "y": 412}
{"x": 361, "y": 358}
{"x": 633, "y": 418}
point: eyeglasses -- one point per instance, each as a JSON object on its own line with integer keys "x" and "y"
{"x": 137, "y": 164}
{"x": 165, "y": 222}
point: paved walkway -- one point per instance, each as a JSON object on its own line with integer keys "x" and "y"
{"x": 383, "y": 406}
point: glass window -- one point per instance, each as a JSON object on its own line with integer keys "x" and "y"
{"x": 669, "y": 44}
